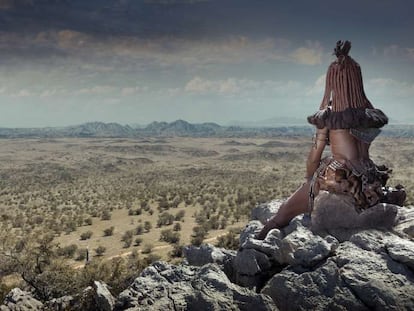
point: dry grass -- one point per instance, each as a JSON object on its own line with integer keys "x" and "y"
{"x": 58, "y": 184}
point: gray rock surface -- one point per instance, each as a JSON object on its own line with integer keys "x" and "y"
{"x": 103, "y": 296}
{"x": 405, "y": 222}
{"x": 373, "y": 272}
{"x": 166, "y": 287}
{"x": 336, "y": 211}
{"x": 358, "y": 263}
{"x": 375, "y": 278}
{"x": 319, "y": 289}
{"x": 207, "y": 253}
{"x": 19, "y": 300}
{"x": 265, "y": 211}
{"x": 294, "y": 245}
{"x": 251, "y": 229}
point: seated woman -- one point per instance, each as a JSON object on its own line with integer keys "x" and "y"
{"x": 348, "y": 123}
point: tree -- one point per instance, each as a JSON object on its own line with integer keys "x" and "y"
{"x": 34, "y": 257}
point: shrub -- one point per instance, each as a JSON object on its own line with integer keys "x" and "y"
{"x": 229, "y": 240}
{"x": 67, "y": 251}
{"x": 147, "y": 226}
{"x": 177, "y": 251}
{"x": 100, "y": 250}
{"x": 86, "y": 235}
{"x": 177, "y": 227}
{"x": 165, "y": 219}
{"x": 106, "y": 215}
{"x": 109, "y": 231}
{"x": 138, "y": 241}
{"x": 81, "y": 254}
{"x": 139, "y": 230}
{"x": 180, "y": 215}
{"x": 169, "y": 236}
{"x": 147, "y": 249}
{"x": 127, "y": 238}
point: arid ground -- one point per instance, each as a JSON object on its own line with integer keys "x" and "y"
{"x": 149, "y": 194}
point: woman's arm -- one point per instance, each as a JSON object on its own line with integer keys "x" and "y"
{"x": 315, "y": 154}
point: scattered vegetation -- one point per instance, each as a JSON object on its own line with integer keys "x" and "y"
{"x": 59, "y": 198}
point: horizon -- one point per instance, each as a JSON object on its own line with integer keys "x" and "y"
{"x": 241, "y": 124}
{"x": 132, "y": 62}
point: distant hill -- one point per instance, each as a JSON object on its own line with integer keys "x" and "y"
{"x": 177, "y": 128}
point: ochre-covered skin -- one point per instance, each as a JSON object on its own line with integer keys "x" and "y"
{"x": 344, "y": 108}
{"x": 344, "y": 148}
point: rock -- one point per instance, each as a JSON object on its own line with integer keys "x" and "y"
{"x": 336, "y": 211}
{"x": 269, "y": 246}
{"x": 353, "y": 279}
{"x": 402, "y": 251}
{"x": 405, "y": 222}
{"x": 294, "y": 245}
{"x": 321, "y": 289}
{"x": 162, "y": 286}
{"x": 207, "y": 253}
{"x": 251, "y": 262}
{"x": 265, "y": 211}
{"x": 250, "y": 231}
{"x": 19, "y": 300}
{"x": 302, "y": 247}
{"x": 375, "y": 278}
{"x": 372, "y": 240}
{"x": 103, "y": 296}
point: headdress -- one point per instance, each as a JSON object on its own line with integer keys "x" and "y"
{"x": 344, "y": 104}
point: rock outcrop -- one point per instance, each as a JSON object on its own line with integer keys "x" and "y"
{"x": 322, "y": 262}
{"x": 166, "y": 287}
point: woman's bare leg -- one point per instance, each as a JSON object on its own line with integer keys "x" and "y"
{"x": 295, "y": 205}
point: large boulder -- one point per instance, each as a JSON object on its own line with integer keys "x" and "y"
{"x": 337, "y": 211}
{"x": 338, "y": 259}
{"x": 372, "y": 270}
{"x": 162, "y": 286}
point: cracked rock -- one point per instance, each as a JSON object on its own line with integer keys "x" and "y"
{"x": 167, "y": 287}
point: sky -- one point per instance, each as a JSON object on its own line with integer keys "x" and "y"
{"x": 66, "y": 62}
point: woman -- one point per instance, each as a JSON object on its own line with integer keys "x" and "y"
{"x": 348, "y": 123}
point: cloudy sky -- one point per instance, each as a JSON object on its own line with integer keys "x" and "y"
{"x": 65, "y": 62}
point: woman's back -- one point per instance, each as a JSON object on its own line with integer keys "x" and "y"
{"x": 346, "y": 147}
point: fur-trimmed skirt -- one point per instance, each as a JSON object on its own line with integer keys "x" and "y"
{"x": 363, "y": 180}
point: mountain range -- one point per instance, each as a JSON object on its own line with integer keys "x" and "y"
{"x": 177, "y": 128}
